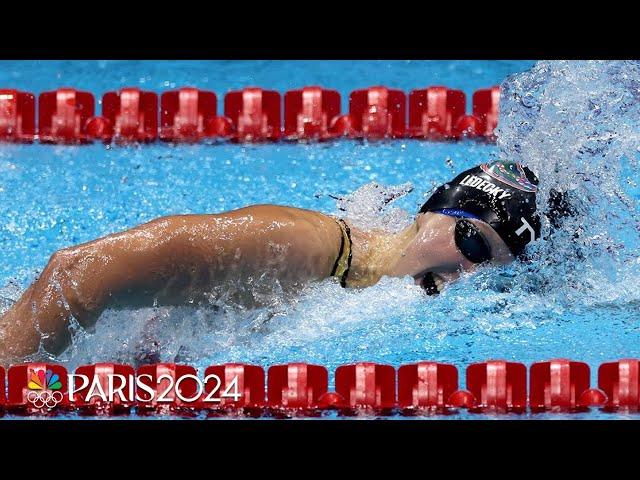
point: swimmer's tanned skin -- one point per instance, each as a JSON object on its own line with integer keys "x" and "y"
{"x": 172, "y": 257}
{"x": 181, "y": 256}
{"x": 180, "y": 259}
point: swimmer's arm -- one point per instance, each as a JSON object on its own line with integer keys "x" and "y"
{"x": 78, "y": 282}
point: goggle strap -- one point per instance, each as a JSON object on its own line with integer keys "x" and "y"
{"x": 456, "y": 212}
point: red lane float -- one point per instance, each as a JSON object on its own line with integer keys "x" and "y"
{"x": 253, "y": 115}
{"x": 367, "y": 386}
{"x": 108, "y": 391}
{"x": 250, "y": 115}
{"x": 17, "y": 116}
{"x": 311, "y": 113}
{"x": 434, "y": 112}
{"x": 37, "y": 389}
{"x": 468, "y": 126}
{"x": 63, "y": 115}
{"x": 561, "y": 385}
{"x": 364, "y": 388}
{"x": 249, "y": 383}
{"x": 498, "y": 386}
{"x": 296, "y": 386}
{"x": 462, "y": 399}
{"x": 129, "y": 115}
{"x": 426, "y": 386}
{"x": 486, "y": 103}
{"x": 162, "y": 393}
{"x": 484, "y": 119}
{"x": 376, "y": 112}
{"x": 188, "y": 115}
{"x": 621, "y": 382}
{"x": 3, "y": 397}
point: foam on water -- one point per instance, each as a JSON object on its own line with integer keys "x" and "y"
{"x": 577, "y": 125}
{"x": 369, "y": 207}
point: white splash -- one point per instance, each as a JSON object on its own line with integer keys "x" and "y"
{"x": 577, "y": 125}
{"x": 369, "y": 207}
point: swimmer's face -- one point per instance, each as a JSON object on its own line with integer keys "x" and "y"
{"x": 432, "y": 257}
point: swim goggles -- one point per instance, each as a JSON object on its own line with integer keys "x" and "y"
{"x": 469, "y": 240}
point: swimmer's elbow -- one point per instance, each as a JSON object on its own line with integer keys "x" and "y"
{"x": 61, "y": 261}
{"x": 61, "y": 273}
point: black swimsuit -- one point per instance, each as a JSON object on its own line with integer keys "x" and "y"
{"x": 343, "y": 262}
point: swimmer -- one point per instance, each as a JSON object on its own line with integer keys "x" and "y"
{"x": 486, "y": 215}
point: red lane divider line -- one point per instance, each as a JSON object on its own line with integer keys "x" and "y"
{"x": 377, "y": 112}
{"x": 167, "y": 388}
{"x": 426, "y": 386}
{"x": 187, "y": 115}
{"x": 498, "y": 386}
{"x": 17, "y": 116}
{"x": 37, "y": 389}
{"x": 3, "y": 390}
{"x": 300, "y": 389}
{"x": 435, "y": 113}
{"x": 562, "y": 386}
{"x": 254, "y": 114}
{"x": 312, "y": 113}
{"x": 131, "y": 115}
{"x": 366, "y": 386}
{"x": 63, "y": 115}
{"x": 104, "y": 378}
{"x": 620, "y": 381}
{"x": 485, "y": 109}
{"x": 249, "y": 382}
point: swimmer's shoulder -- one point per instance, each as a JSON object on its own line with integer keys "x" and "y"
{"x": 258, "y": 213}
{"x": 272, "y": 211}
{"x": 302, "y": 221}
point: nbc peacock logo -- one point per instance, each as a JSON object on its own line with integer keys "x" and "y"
{"x": 44, "y": 389}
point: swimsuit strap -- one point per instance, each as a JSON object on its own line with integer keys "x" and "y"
{"x": 343, "y": 262}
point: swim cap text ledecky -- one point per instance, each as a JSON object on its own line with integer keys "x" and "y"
{"x": 502, "y": 194}
{"x": 485, "y": 186}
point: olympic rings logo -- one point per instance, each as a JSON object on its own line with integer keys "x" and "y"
{"x": 47, "y": 398}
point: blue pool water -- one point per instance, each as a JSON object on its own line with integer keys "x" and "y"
{"x": 56, "y": 196}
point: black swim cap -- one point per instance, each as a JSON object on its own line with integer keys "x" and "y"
{"x": 503, "y": 194}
